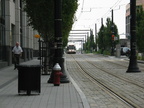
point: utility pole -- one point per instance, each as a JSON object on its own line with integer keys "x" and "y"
{"x": 112, "y": 36}
{"x": 96, "y": 36}
{"x": 133, "y": 67}
{"x": 58, "y": 56}
{"x": 102, "y": 27}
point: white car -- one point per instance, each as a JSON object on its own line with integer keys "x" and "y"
{"x": 125, "y": 50}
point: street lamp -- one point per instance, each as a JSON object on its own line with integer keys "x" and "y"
{"x": 38, "y": 36}
{"x": 58, "y": 55}
{"x": 133, "y": 67}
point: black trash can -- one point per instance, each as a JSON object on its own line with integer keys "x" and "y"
{"x": 29, "y": 78}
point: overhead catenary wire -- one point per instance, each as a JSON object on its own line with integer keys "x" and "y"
{"x": 109, "y": 11}
{"x": 82, "y": 11}
{"x": 116, "y": 4}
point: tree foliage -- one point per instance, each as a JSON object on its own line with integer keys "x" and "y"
{"x": 105, "y": 36}
{"x": 140, "y": 29}
{"x": 100, "y": 38}
{"x": 89, "y": 46}
{"x": 69, "y": 7}
{"x": 41, "y": 17}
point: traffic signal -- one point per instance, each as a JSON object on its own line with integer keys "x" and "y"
{"x": 113, "y": 37}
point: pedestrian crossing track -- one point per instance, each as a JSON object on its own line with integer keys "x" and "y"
{"x": 105, "y": 82}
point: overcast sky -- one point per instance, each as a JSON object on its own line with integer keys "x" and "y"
{"x": 90, "y": 13}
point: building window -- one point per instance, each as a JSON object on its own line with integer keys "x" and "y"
{"x": 12, "y": 36}
{"x": 20, "y": 3}
{"x": 2, "y": 30}
{"x": 2, "y": 8}
{"x": 2, "y": 43}
{"x": 2, "y": 21}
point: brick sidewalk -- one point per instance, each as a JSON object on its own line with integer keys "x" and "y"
{"x": 63, "y": 96}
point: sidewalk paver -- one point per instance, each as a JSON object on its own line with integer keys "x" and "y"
{"x": 63, "y": 96}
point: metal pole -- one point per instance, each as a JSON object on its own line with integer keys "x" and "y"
{"x": 40, "y": 50}
{"x": 112, "y": 29}
{"x": 133, "y": 67}
{"x": 102, "y": 36}
{"x": 96, "y": 36}
{"x": 58, "y": 56}
{"x": 81, "y": 46}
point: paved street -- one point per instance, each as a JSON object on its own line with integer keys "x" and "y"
{"x": 111, "y": 72}
{"x": 80, "y": 92}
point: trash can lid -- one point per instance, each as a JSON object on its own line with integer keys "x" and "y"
{"x": 24, "y": 65}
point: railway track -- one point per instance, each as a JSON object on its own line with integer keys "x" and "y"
{"x": 123, "y": 63}
{"x": 82, "y": 61}
{"x": 120, "y": 76}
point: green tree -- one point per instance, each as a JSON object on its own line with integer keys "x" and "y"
{"x": 105, "y": 36}
{"x": 96, "y": 42}
{"x": 41, "y": 18}
{"x": 101, "y": 39}
{"x": 69, "y": 8}
{"x": 140, "y": 29}
{"x": 91, "y": 43}
{"x": 89, "y": 46}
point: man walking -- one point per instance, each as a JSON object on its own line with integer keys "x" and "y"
{"x": 17, "y": 53}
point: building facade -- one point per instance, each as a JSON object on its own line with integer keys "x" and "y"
{"x": 139, "y": 3}
{"x": 14, "y": 28}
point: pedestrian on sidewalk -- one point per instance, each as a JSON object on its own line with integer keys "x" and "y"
{"x": 17, "y": 53}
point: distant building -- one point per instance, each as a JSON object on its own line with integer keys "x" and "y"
{"x": 126, "y": 42}
{"x": 127, "y": 21}
{"x": 139, "y": 3}
{"x": 14, "y": 28}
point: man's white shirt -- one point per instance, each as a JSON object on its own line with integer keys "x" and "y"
{"x": 17, "y": 50}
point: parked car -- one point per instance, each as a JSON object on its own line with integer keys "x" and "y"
{"x": 125, "y": 51}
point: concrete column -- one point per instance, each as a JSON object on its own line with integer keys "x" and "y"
{"x": 31, "y": 42}
{"x": 24, "y": 33}
{"x": 8, "y": 35}
{"x": 27, "y": 36}
{"x": 17, "y": 20}
{"x": 118, "y": 50}
{"x": 28, "y": 41}
{"x": 31, "y": 38}
{"x": 24, "y": 25}
{"x": 35, "y": 41}
{"x": 7, "y": 22}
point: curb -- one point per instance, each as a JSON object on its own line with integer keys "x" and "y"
{"x": 82, "y": 95}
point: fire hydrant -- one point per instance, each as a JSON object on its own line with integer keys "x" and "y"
{"x": 57, "y": 74}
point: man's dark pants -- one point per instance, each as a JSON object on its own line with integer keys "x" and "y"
{"x": 16, "y": 60}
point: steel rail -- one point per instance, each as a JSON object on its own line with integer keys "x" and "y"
{"x": 105, "y": 87}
